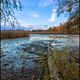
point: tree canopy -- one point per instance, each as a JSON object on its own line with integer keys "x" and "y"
{"x": 7, "y": 10}
{"x": 70, "y": 6}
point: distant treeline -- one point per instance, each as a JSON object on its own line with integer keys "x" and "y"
{"x": 13, "y": 34}
{"x": 69, "y": 27}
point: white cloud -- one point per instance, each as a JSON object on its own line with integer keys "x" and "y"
{"x": 35, "y": 15}
{"x": 54, "y": 10}
{"x": 23, "y": 23}
{"x": 31, "y": 26}
{"x": 45, "y": 3}
{"x": 37, "y": 26}
{"x": 53, "y": 16}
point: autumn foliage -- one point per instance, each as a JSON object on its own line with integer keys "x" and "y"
{"x": 69, "y": 27}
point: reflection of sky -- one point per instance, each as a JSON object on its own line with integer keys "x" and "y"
{"x": 67, "y": 40}
{"x": 11, "y": 48}
{"x": 13, "y": 44}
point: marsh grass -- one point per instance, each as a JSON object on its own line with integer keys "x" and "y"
{"x": 65, "y": 61}
{"x": 67, "y": 65}
{"x": 13, "y": 34}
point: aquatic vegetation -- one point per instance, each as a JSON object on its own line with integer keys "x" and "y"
{"x": 56, "y": 37}
{"x": 21, "y": 60}
{"x": 63, "y": 62}
{"x": 67, "y": 66}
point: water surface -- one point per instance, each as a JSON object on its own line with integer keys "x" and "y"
{"x": 12, "y": 53}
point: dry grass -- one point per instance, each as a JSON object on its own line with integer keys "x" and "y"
{"x": 67, "y": 65}
{"x": 13, "y": 34}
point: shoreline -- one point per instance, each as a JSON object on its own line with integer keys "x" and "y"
{"x": 12, "y": 34}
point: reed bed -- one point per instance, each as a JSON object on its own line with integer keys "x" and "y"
{"x": 13, "y": 34}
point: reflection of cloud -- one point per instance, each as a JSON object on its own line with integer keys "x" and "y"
{"x": 35, "y": 15}
{"x": 53, "y": 16}
{"x": 45, "y": 3}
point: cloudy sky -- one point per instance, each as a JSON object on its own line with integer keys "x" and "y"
{"x": 39, "y": 12}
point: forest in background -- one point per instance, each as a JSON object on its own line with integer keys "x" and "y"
{"x": 69, "y": 27}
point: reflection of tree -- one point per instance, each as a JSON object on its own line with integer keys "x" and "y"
{"x": 42, "y": 67}
{"x": 45, "y": 66}
{"x": 8, "y": 69}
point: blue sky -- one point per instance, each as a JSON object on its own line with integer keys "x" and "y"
{"x": 39, "y": 12}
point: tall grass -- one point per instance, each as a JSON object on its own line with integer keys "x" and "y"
{"x": 13, "y": 34}
{"x": 67, "y": 64}
{"x": 60, "y": 65}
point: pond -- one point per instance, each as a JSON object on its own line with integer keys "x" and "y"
{"x": 20, "y": 56}
{"x": 16, "y": 50}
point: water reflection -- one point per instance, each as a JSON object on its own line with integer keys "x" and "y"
{"x": 22, "y": 52}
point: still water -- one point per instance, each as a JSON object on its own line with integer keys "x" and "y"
{"x": 11, "y": 49}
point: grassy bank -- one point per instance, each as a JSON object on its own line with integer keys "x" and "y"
{"x": 13, "y": 34}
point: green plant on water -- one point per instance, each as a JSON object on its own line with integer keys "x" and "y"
{"x": 67, "y": 66}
